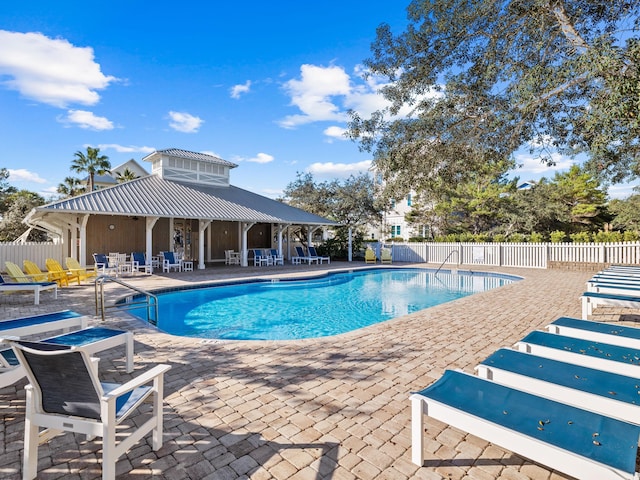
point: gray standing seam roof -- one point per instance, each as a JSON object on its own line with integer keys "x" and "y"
{"x": 153, "y": 196}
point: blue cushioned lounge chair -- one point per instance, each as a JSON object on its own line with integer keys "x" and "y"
{"x": 35, "y": 287}
{"x": 595, "y": 390}
{"x": 574, "y": 441}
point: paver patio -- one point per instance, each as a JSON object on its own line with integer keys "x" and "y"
{"x": 329, "y": 408}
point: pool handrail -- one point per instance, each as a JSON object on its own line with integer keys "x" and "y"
{"x": 151, "y": 300}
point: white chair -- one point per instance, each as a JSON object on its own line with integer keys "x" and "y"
{"x": 276, "y": 258}
{"x": 64, "y": 394}
{"x": 231, "y": 257}
{"x": 171, "y": 262}
{"x": 259, "y": 258}
{"x": 139, "y": 263}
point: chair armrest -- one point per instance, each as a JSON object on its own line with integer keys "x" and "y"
{"x": 140, "y": 380}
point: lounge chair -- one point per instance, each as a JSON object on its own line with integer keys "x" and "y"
{"x": 546, "y": 431}
{"x": 313, "y": 253}
{"x": 601, "y": 356}
{"x": 591, "y": 300}
{"x": 103, "y": 266}
{"x": 369, "y": 255}
{"x": 35, "y": 287}
{"x": 595, "y": 390}
{"x": 54, "y": 267}
{"x": 83, "y": 273}
{"x": 385, "y": 255}
{"x": 276, "y": 257}
{"x": 93, "y": 339}
{"x": 605, "y": 332}
{"x": 259, "y": 258}
{"x": 65, "y": 394}
{"x": 170, "y": 262}
{"x": 139, "y": 263}
{"x": 63, "y": 320}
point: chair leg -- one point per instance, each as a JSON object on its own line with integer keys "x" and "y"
{"x": 158, "y": 386}
{"x": 109, "y": 453}
{"x": 31, "y": 440}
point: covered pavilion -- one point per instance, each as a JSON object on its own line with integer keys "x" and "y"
{"x": 186, "y": 205}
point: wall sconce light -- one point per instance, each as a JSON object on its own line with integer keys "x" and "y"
{"x": 111, "y": 226}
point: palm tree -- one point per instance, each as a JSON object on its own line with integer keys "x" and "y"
{"x": 71, "y": 187}
{"x": 92, "y": 163}
{"x": 126, "y": 176}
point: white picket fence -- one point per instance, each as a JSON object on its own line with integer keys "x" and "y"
{"x": 36, "y": 252}
{"x": 525, "y": 255}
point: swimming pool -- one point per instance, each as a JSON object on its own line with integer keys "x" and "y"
{"x": 336, "y": 303}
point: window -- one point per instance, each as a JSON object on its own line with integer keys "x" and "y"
{"x": 409, "y": 200}
{"x": 395, "y": 231}
{"x": 393, "y": 203}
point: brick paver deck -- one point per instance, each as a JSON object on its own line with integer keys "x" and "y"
{"x": 329, "y": 408}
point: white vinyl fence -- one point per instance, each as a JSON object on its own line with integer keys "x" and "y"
{"x": 525, "y": 255}
{"x": 36, "y": 252}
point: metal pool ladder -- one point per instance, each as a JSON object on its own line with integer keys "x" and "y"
{"x": 150, "y": 300}
{"x": 453, "y": 270}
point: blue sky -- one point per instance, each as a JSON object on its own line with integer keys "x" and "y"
{"x": 265, "y": 85}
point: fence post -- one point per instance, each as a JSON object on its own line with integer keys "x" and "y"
{"x": 602, "y": 253}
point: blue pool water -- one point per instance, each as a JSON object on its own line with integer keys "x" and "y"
{"x": 329, "y": 305}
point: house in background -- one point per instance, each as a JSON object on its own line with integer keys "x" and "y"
{"x": 109, "y": 180}
{"x": 186, "y": 205}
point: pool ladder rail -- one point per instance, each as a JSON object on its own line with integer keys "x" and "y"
{"x": 453, "y": 270}
{"x": 150, "y": 301}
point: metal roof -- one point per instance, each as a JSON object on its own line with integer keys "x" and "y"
{"x": 177, "y": 152}
{"x": 153, "y": 196}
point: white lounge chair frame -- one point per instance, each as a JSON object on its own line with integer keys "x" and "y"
{"x": 539, "y": 451}
{"x": 585, "y": 333}
{"x": 110, "y": 418}
{"x": 36, "y": 288}
{"x": 610, "y": 407}
{"x": 591, "y": 300}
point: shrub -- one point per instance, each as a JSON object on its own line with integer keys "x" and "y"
{"x": 481, "y": 237}
{"x": 499, "y": 238}
{"x": 557, "y": 236}
{"x": 536, "y": 237}
{"x": 631, "y": 236}
{"x": 580, "y": 237}
{"x": 516, "y": 237}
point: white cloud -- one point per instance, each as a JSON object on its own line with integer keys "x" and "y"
{"x": 261, "y": 158}
{"x": 23, "y": 175}
{"x": 185, "y": 122}
{"x": 327, "y": 93}
{"x": 341, "y": 170}
{"x": 51, "y": 71}
{"x": 335, "y": 133}
{"x": 238, "y": 90}
{"x": 125, "y": 149}
{"x": 313, "y": 94}
{"x": 87, "y": 120}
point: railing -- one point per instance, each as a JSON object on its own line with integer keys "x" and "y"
{"x": 457, "y": 252}
{"x": 150, "y": 300}
{"x": 522, "y": 255}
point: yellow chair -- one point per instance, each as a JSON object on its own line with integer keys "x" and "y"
{"x": 369, "y": 255}
{"x": 55, "y": 269}
{"x": 385, "y": 255}
{"x": 18, "y": 276}
{"x": 83, "y": 273}
{"x": 39, "y": 276}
